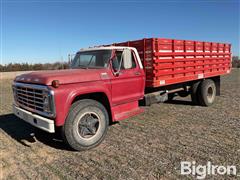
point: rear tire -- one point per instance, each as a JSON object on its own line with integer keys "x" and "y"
{"x": 86, "y": 125}
{"x": 207, "y": 92}
{"x": 195, "y": 93}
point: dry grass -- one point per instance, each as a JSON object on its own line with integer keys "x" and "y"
{"x": 11, "y": 75}
{"x": 150, "y": 145}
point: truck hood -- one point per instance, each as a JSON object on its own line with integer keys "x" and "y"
{"x": 64, "y": 76}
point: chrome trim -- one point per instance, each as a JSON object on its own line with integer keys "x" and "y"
{"x": 50, "y": 93}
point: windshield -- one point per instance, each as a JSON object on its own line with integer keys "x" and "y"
{"x": 92, "y": 59}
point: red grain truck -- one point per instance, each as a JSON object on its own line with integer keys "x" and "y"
{"x": 109, "y": 83}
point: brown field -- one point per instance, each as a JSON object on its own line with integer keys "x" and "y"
{"x": 11, "y": 75}
{"x": 148, "y": 146}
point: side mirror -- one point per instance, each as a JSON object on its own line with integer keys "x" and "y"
{"x": 127, "y": 58}
{"x": 125, "y": 62}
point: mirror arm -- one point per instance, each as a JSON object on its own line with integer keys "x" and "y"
{"x": 116, "y": 73}
{"x": 119, "y": 68}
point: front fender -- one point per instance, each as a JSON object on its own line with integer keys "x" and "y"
{"x": 65, "y": 95}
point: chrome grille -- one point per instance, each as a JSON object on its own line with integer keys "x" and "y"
{"x": 32, "y": 97}
{"x": 29, "y": 97}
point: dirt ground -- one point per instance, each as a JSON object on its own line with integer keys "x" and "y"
{"x": 148, "y": 146}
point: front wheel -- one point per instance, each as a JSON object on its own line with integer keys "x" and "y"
{"x": 86, "y": 125}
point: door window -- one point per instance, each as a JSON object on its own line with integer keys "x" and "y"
{"x": 117, "y": 61}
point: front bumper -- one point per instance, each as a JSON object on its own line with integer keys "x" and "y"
{"x": 34, "y": 119}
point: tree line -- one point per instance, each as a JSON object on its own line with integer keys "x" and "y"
{"x": 33, "y": 67}
{"x": 63, "y": 65}
{"x": 235, "y": 62}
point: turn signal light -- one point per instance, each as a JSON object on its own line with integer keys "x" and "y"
{"x": 55, "y": 83}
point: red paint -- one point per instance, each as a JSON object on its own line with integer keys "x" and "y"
{"x": 127, "y": 110}
{"x": 65, "y": 95}
{"x": 68, "y": 76}
{"x": 176, "y": 61}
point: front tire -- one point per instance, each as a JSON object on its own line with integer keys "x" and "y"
{"x": 86, "y": 125}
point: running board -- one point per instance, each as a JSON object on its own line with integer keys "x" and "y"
{"x": 124, "y": 111}
{"x": 128, "y": 114}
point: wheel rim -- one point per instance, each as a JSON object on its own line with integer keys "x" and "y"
{"x": 210, "y": 94}
{"x": 88, "y": 125}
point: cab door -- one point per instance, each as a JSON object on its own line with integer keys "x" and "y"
{"x": 128, "y": 84}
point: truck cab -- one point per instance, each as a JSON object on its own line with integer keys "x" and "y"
{"x": 103, "y": 85}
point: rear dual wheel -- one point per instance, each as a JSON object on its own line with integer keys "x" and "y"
{"x": 195, "y": 93}
{"x": 207, "y": 92}
{"x": 203, "y": 93}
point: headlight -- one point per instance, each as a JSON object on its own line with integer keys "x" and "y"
{"x": 14, "y": 94}
{"x": 46, "y": 104}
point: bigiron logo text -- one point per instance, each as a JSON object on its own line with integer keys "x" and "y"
{"x": 201, "y": 171}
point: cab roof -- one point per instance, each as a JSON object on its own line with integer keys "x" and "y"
{"x": 105, "y": 48}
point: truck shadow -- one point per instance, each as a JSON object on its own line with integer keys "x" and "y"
{"x": 27, "y": 135}
{"x": 180, "y": 102}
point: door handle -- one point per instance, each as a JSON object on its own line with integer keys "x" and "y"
{"x": 137, "y": 73}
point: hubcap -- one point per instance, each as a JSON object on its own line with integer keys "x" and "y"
{"x": 210, "y": 94}
{"x": 88, "y": 125}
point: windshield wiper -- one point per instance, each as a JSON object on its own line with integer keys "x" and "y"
{"x": 78, "y": 66}
{"x": 82, "y": 66}
{"x": 89, "y": 62}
